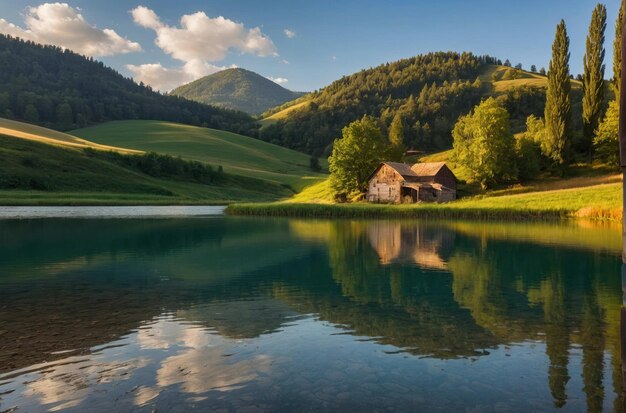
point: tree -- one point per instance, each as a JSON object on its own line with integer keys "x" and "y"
{"x": 593, "y": 77}
{"x": 31, "y": 114}
{"x": 396, "y": 139}
{"x": 542, "y": 71}
{"x": 65, "y": 116}
{"x": 533, "y": 68}
{"x": 519, "y": 66}
{"x": 528, "y": 153}
{"x": 355, "y": 156}
{"x": 528, "y": 148}
{"x": 617, "y": 49}
{"x": 507, "y": 63}
{"x": 314, "y": 164}
{"x": 535, "y": 129}
{"x": 483, "y": 144}
{"x": 558, "y": 112}
{"x": 606, "y": 142}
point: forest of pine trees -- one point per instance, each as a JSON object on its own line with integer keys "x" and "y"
{"x": 62, "y": 90}
{"x": 429, "y": 92}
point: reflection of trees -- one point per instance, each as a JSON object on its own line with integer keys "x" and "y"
{"x": 406, "y": 306}
{"x": 96, "y": 280}
{"x": 423, "y": 288}
{"x": 514, "y": 291}
{"x": 593, "y": 342}
{"x": 557, "y": 339}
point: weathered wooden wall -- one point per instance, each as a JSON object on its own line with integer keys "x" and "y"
{"x": 385, "y": 186}
{"x": 446, "y": 178}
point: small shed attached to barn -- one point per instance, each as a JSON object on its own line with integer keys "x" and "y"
{"x": 396, "y": 182}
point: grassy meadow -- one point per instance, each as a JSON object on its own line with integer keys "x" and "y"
{"x": 38, "y": 173}
{"x": 595, "y": 202}
{"x": 237, "y": 154}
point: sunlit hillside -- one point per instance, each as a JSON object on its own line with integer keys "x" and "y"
{"x": 237, "y": 154}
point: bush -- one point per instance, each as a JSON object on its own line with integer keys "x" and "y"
{"x": 162, "y": 166}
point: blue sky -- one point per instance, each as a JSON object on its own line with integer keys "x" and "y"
{"x": 332, "y": 38}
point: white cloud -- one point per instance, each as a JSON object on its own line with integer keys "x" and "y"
{"x": 165, "y": 79}
{"x": 279, "y": 80}
{"x": 201, "y": 37}
{"x": 289, "y": 33}
{"x": 146, "y": 17}
{"x": 199, "y": 40}
{"x": 285, "y": 62}
{"x": 64, "y": 26}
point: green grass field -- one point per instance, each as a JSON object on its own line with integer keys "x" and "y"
{"x": 283, "y": 114}
{"x": 525, "y": 79}
{"x": 35, "y": 173}
{"x": 589, "y": 191}
{"x": 44, "y": 135}
{"x": 597, "y": 202}
{"x": 239, "y": 155}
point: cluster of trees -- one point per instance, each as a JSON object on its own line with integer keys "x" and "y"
{"x": 606, "y": 139}
{"x": 162, "y": 166}
{"x": 430, "y": 91}
{"x": 362, "y": 147}
{"x": 60, "y": 89}
{"x": 483, "y": 142}
{"x": 599, "y": 137}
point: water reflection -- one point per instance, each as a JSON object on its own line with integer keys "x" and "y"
{"x": 275, "y": 315}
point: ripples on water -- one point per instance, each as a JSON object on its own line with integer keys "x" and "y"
{"x": 230, "y": 314}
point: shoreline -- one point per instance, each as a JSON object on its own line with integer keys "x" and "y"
{"x": 426, "y": 211}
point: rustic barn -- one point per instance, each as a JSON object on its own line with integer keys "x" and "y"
{"x": 396, "y": 182}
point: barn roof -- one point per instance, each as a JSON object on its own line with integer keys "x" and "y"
{"x": 401, "y": 168}
{"x": 412, "y": 173}
{"x": 427, "y": 168}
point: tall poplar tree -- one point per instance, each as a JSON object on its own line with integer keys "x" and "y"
{"x": 617, "y": 49}
{"x": 396, "y": 139}
{"x": 558, "y": 112}
{"x": 593, "y": 77}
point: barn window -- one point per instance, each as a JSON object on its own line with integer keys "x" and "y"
{"x": 389, "y": 191}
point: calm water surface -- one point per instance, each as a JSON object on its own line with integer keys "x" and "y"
{"x": 246, "y": 315}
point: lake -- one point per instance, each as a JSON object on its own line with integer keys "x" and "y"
{"x": 214, "y": 313}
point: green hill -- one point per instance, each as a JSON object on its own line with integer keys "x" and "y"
{"x": 429, "y": 91}
{"x": 238, "y": 89}
{"x": 239, "y": 155}
{"x": 40, "y": 134}
{"x": 42, "y": 166}
{"x": 59, "y": 89}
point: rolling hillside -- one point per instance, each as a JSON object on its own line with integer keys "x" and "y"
{"x": 42, "y": 166}
{"x": 501, "y": 79}
{"x": 59, "y": 89}
{"x": 238, "y": 89}
{"x": 429, "y": 91}
{"x": 239, "y": 155}
{"x": 44, "y": 135}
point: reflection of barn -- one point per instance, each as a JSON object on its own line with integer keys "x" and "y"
{"x": 398, "y": 243}
{"x": 402, "y": 183}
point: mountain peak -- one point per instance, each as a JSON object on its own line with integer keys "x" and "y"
{"x": 237, "y": 88}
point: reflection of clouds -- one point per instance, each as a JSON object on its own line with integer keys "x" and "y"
{"x": 206, "y": 369}
{"x": 145, "y": 394}
{"x": 169, "y": 352}
{"x": 205, "y": 363}
{"x": 68, "y": 384}
{"x": 164, "y": 334}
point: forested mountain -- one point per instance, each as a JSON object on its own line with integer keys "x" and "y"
{"x": 60, "y": 89}
{"x": 429, "y": 91}
{"x": 238, "y": 89}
